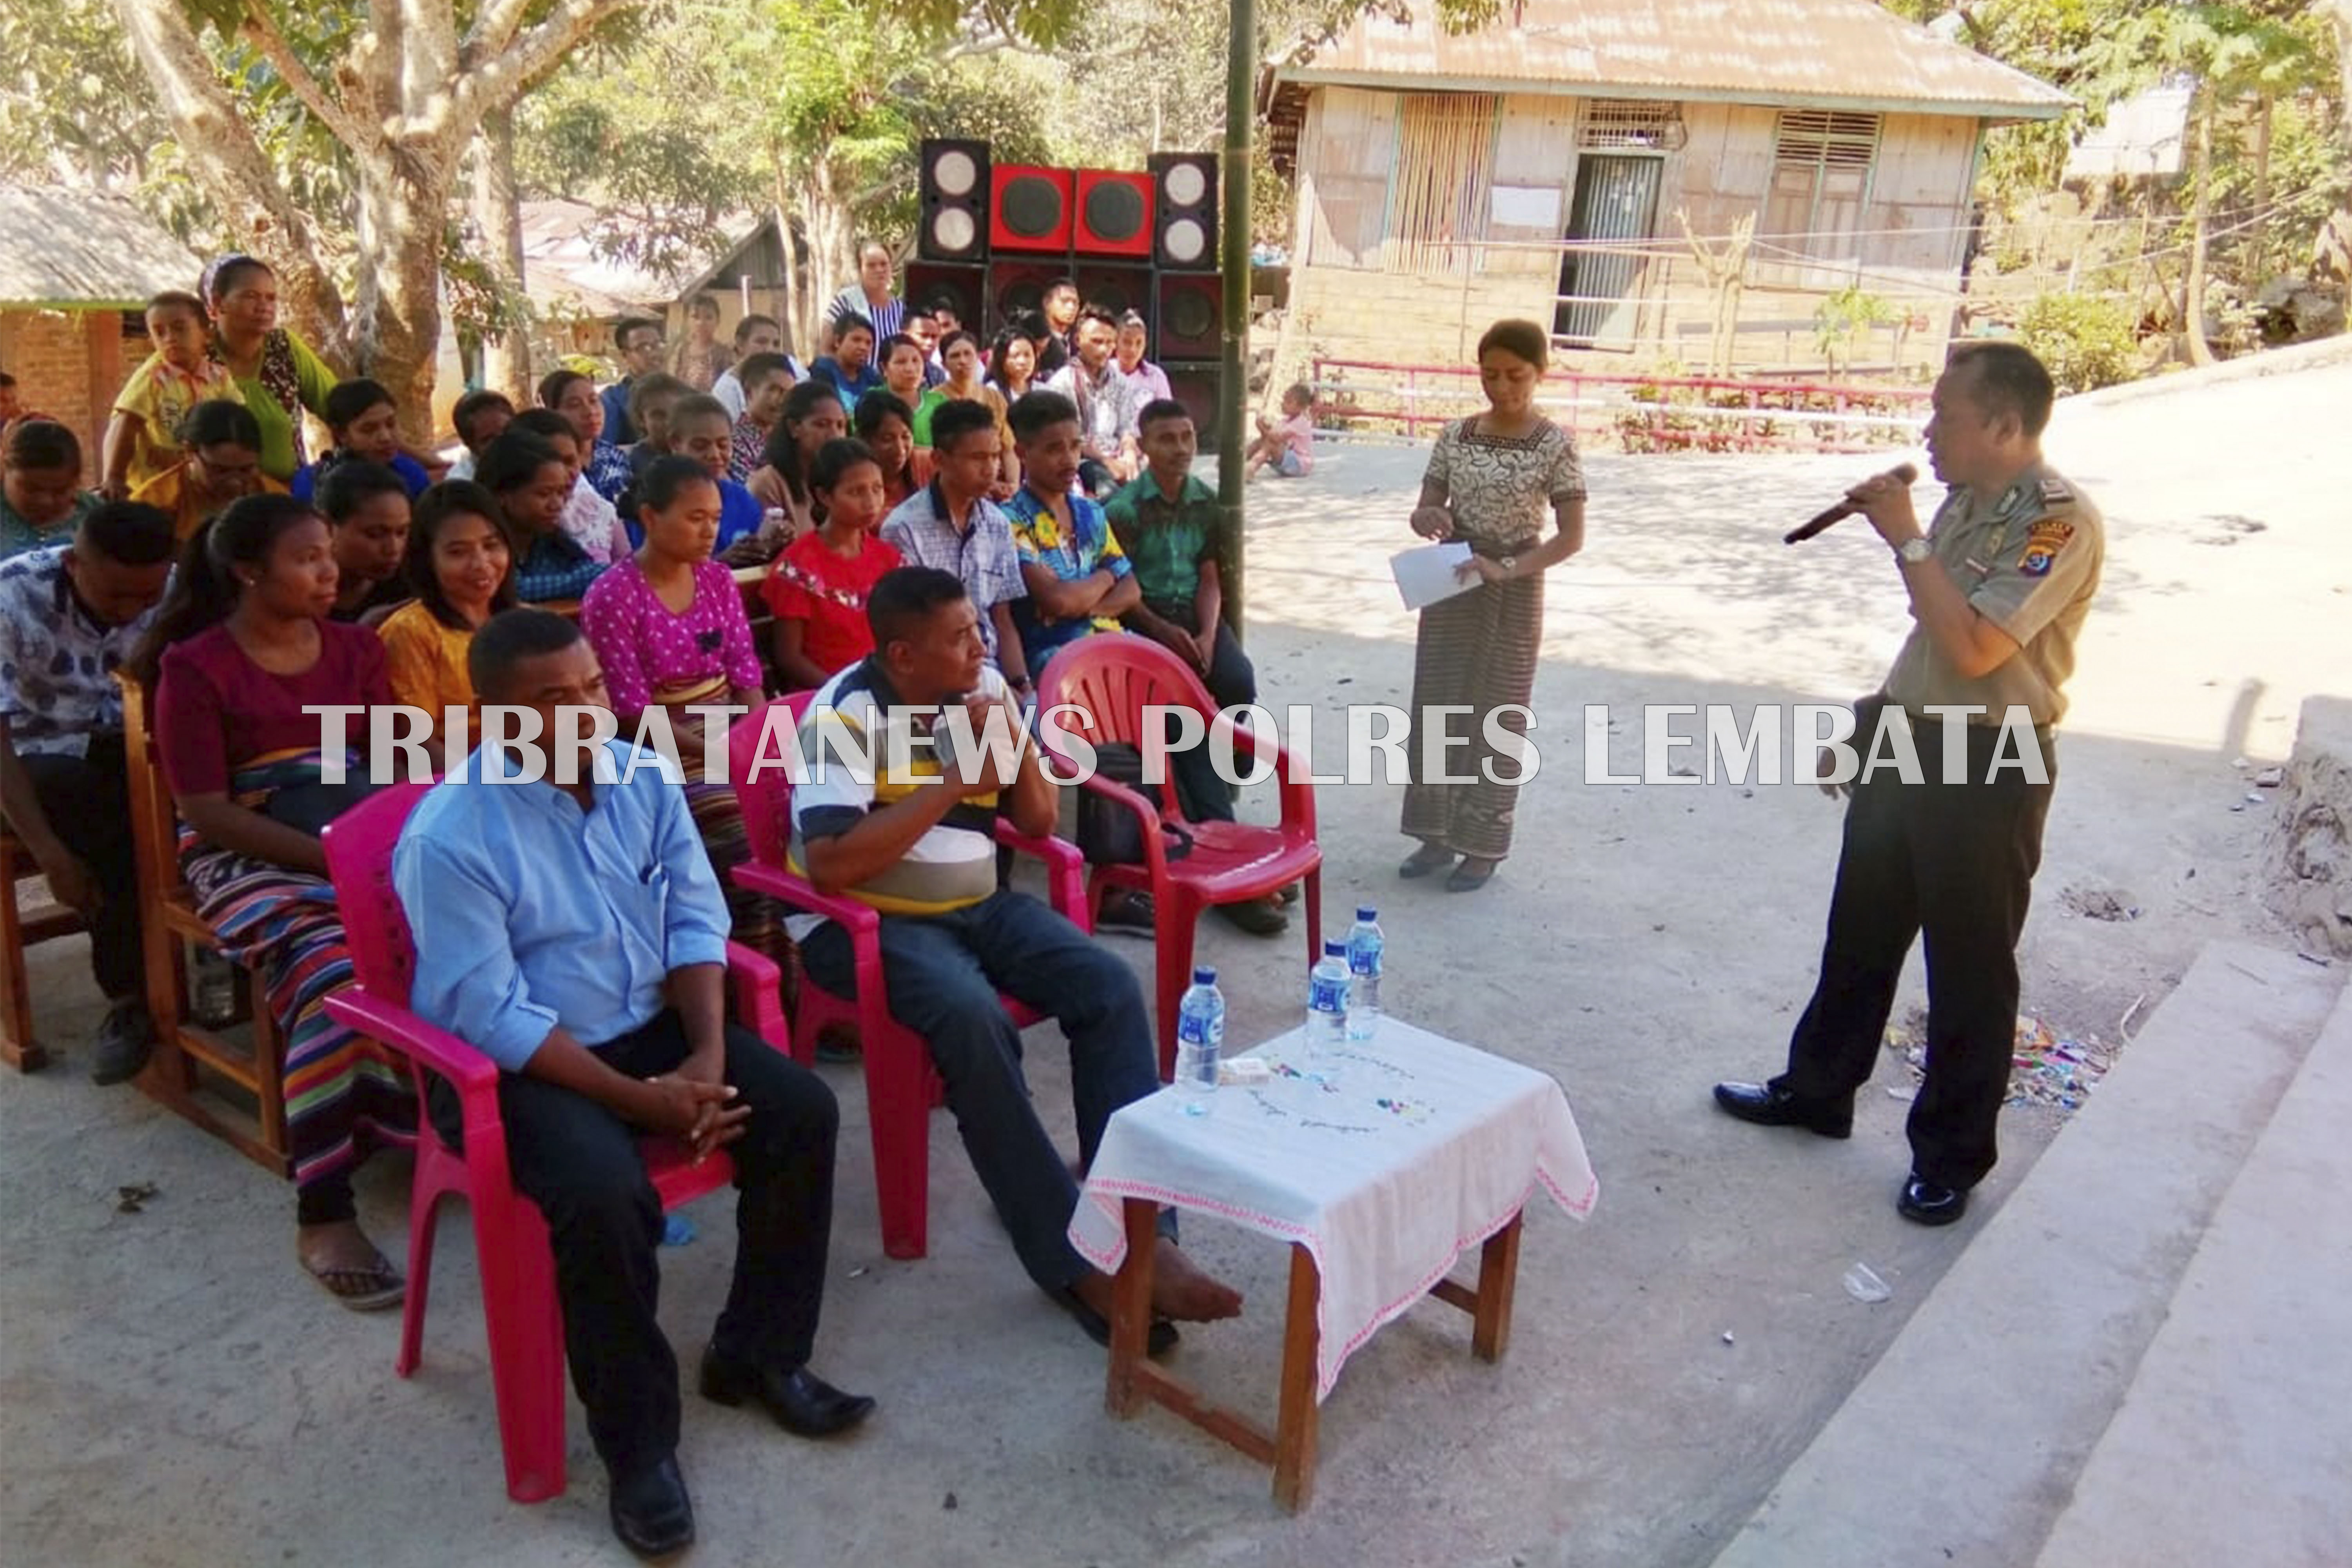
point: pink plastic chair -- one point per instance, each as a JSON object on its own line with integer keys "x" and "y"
{"x": 900, "y": 1085}
{"x": 519, "y": 1303}
{"x": 1111, "y": 680}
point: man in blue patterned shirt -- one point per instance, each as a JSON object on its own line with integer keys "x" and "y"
{"x": 69, "y": 615}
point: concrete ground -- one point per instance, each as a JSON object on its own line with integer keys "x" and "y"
{"x": 176, "y": 1393}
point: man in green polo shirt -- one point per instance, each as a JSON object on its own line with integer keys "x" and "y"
{"x": 1170, "y": 524}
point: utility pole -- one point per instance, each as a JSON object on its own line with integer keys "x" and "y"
{"x": 1232, "y": 391}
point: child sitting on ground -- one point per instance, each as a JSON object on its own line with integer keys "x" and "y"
{"x": 141, "y": 438}
{"x": 1287, "y": 443}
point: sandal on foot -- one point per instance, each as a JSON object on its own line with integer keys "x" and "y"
{"x": 369, "y": 1289}
{"x": 1468, "y": 880}
{"x": 1427, "y": 860}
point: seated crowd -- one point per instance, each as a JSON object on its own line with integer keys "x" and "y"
{"x": 916, "y": 524}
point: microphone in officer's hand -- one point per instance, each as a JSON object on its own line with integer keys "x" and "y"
{"x": 1844, "y": 509}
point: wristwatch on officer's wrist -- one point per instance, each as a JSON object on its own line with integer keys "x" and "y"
{"x": 1509, "y": 564}
{"x": 1912, "y": 551}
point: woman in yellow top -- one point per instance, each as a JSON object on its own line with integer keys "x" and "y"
{"x": 223, "y": 442}
{"x": 461, "y": 563}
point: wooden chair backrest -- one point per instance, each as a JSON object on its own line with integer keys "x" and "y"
{"x": 154, "y": 824}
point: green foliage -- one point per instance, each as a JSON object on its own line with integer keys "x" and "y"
{"x": 2084, "y": 339}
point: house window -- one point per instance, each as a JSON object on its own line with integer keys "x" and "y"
{"x": 1630, "y": 125}
{"x": 1821, "y": 180}
{"x": 1444, "y": 173}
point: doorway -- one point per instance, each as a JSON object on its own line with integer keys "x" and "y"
{"x": 1616, "y": 203}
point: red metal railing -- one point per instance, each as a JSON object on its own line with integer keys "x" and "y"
{"x": 1643, "y": 413}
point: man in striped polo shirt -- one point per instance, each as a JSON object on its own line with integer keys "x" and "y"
{"x": 915, "y": 840}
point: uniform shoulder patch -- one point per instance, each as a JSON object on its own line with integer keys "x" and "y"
{"x": 2043, "y": 543}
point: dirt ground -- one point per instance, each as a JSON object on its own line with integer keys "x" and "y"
{"x": 175, "y": 1393}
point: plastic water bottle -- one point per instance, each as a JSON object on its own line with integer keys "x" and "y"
{"x": 1327, "y": 1011}
{"x": 1364, "y": 943}
{"x": 213, "y": 988}
{"x": 1200, "y": 1041}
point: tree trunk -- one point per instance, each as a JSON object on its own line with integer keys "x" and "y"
{"x": 234, "y": 171}
{"x": 2193, "y": 306}
{"x": 404, "y": 202}
{"x": 497, "y": 212}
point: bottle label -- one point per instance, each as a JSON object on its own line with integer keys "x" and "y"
{"x": 1365, "y": 962}
{"x": 1327, "y": 994}
{"x": 1195, "y": 1030}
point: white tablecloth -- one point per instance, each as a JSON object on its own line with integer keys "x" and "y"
{"x": 1421, "y": 1149}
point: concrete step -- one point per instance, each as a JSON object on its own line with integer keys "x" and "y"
{"x": 2234, "y": 1443}
{"x": 1962, "y": 1444}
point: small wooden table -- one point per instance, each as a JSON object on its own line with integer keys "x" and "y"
{"x": 1377, "y": 1175}
{"x": 1290, "y": 1446}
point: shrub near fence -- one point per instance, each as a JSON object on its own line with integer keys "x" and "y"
{"x": 1637, "y": 414}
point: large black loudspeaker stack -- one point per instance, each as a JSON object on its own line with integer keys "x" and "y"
{"x": 1188, "y": 318}
{"x": 994, "y": 236}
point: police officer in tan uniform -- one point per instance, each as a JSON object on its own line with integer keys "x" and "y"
{"x": 2000, "y": 585}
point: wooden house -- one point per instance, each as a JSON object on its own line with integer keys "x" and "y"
{"x": 1545, "y": 167}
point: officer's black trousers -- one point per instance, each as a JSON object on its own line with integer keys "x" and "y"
{"x": 1954, "y": 861}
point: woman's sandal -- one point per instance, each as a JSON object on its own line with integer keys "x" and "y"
{"x": 1467, "y": 881}
{"x": 368, "y": 1289}
{"x": 1427, "y": 860}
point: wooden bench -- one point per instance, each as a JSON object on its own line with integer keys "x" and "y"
{"x": 18, "y": 931}
{"x": 193, "y": 1063}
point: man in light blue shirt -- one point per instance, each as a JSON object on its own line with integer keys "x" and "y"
{"x": 576, "y": 935}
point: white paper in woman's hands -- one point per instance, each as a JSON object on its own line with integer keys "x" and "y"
{"x": 1426, "y": 575}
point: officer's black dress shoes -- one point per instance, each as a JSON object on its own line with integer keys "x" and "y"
{"x": 802, "y": 1403}
{"x": 651, "y": 1512}
{"x": 1767, "y": 1106}
{"x": 1924, "y": 1203}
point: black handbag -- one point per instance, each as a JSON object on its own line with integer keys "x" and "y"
{"x": 1108, "y": 833}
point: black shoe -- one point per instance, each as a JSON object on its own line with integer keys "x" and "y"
{"x": 651, "y": 1512}
{"x": 122, "y": 1044}
{"x": 1157, "y": 1341}
{"x": 802, "y": 1403}
{"x": 1259, "y": 917}
{"x": 1924, "y": 1203}
{"x": 1767, "y": 1106}
{"x": 1124, "y": 909}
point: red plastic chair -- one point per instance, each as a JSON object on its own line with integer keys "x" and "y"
{"x": 1111, "y": 679}
{"x": 519, "y": 1303}
{"x": 900, "y": 1085}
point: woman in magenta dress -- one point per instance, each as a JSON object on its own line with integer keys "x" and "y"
{"x": 667, "y": 625}
{"x": 241, "y": 656}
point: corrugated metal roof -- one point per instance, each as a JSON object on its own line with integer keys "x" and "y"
{"x": 81, "y": 250}
{"x": 1837, "y": 54}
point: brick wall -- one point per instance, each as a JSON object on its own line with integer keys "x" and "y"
{"x": 67, "y": 366}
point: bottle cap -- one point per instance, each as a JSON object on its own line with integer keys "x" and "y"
{"x": 1366, "y": 914}
{"x": 1335, "y": 950}
{"x": 1204, "y": 975}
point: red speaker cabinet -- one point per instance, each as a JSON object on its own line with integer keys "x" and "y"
{"x": 1114, "y": 214}
{"x": 1029, "y": 208}
{"x": 1185, "y": 226}
{"x": 1115, "y": 288}
{"x": 954, "y": 212}
{"x": 1190, "y": 321}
